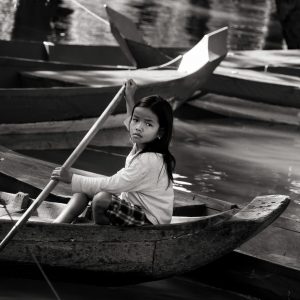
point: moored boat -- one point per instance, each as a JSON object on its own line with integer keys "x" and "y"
{"x": 63, "y": 134}
{"x": 12, "y": 66}
{"x": 202, "y": 229}
{"x": 69, "y": 95}
{"x": 270, "y": 77}
{"x": 246, "y": 109}
{"x": 133, "y": 45}
{"x": 64, "y": 53}
{"x": 261, "y": 86}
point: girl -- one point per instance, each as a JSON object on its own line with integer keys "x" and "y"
{"x": 144, "y": 185}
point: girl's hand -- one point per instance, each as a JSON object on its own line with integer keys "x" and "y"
{"x": 61, "y": 174}
{"x": 130, "y": 89}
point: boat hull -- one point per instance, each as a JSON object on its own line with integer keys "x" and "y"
{"x": 152, "y": 252}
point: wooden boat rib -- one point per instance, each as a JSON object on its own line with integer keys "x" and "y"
{"x": 73, "y": 95}
{"x": 206, "y": 230}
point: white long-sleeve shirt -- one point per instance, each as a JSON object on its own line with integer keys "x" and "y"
{"x": 143, "y": 181}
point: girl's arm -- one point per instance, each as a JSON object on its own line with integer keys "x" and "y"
{"x": 130, "y": 89}
{"x": 125, "y": 180}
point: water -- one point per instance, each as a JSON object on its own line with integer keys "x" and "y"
{"x": 252, "y": 24}
{"x": 176, "y": 288}
{"x": 236, "y": 160}
{"x": 225, "y": 158}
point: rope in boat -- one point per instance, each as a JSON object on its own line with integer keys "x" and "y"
{"x": 91, "y": 13}
{"x": 36, "y": 261}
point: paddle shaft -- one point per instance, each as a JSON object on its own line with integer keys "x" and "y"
{"x": 68, "y": 163}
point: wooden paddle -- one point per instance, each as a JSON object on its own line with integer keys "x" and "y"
{"x": 68, "y": 163}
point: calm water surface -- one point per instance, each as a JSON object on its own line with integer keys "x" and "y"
{"x": 176, "y": 288}
{"x": 225, "y": 158}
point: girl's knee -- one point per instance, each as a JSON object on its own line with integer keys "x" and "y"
{"x": 100, "y": 203}
{"x": 101, "y": 200}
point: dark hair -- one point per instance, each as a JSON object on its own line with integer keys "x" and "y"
{"x": 163, "y": 110}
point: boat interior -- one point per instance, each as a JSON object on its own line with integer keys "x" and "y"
{"x": 12, "y": 206}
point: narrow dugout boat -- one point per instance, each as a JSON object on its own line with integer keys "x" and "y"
{"x": 265, "y": 87}
{"x": 246, "y": 109}
{"x": 82, "y": 56}
{"x": 71, "y": 54}
{"x": 259, "y": 278}
{"x": 202, "y": 230}
{"x": 65, "y": 95}
{"x": 133, "y": 45}
{"x": 66, "y": 135}
{"x": 141, "y": 53}
{"x": 270, "y": 77}
{"x": 12, "y": 65}
{"x": 63, "y": 134}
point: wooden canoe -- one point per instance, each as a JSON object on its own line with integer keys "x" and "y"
{"x": 141, "y": 53}
{"x": 244, "y": 273}
{"x": 270, "y": 77}
{"x": 73, "y": 54}
{"x": 67, "y": 134}
{"x": 203, "y": 229}
{"x": 185, "y": 76}
{"x": 64, "y": 53}
{"x": 11, "y": 67}
{"x": 63, "y": 134}
{"x": 245, "y": 109}
{"x": 133, "y": 45}
{"x": 267, "y": 76}
{"x": 266, "y": 87}
{"x": 84, "y": 94}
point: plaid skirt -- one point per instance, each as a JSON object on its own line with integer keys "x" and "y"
{"x": 123, "y": 213}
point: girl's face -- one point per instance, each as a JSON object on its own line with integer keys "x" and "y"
{"x": 144, "y": 126}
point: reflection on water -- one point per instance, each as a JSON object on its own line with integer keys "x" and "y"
{"x": 176, "y": 288}
{"x": 238, "y": 160}
{"x": 181, "y": 182}
{"x": 163, "y": 23}
{"x": 295, "y": 187}
{"x": 7, "y": 12}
